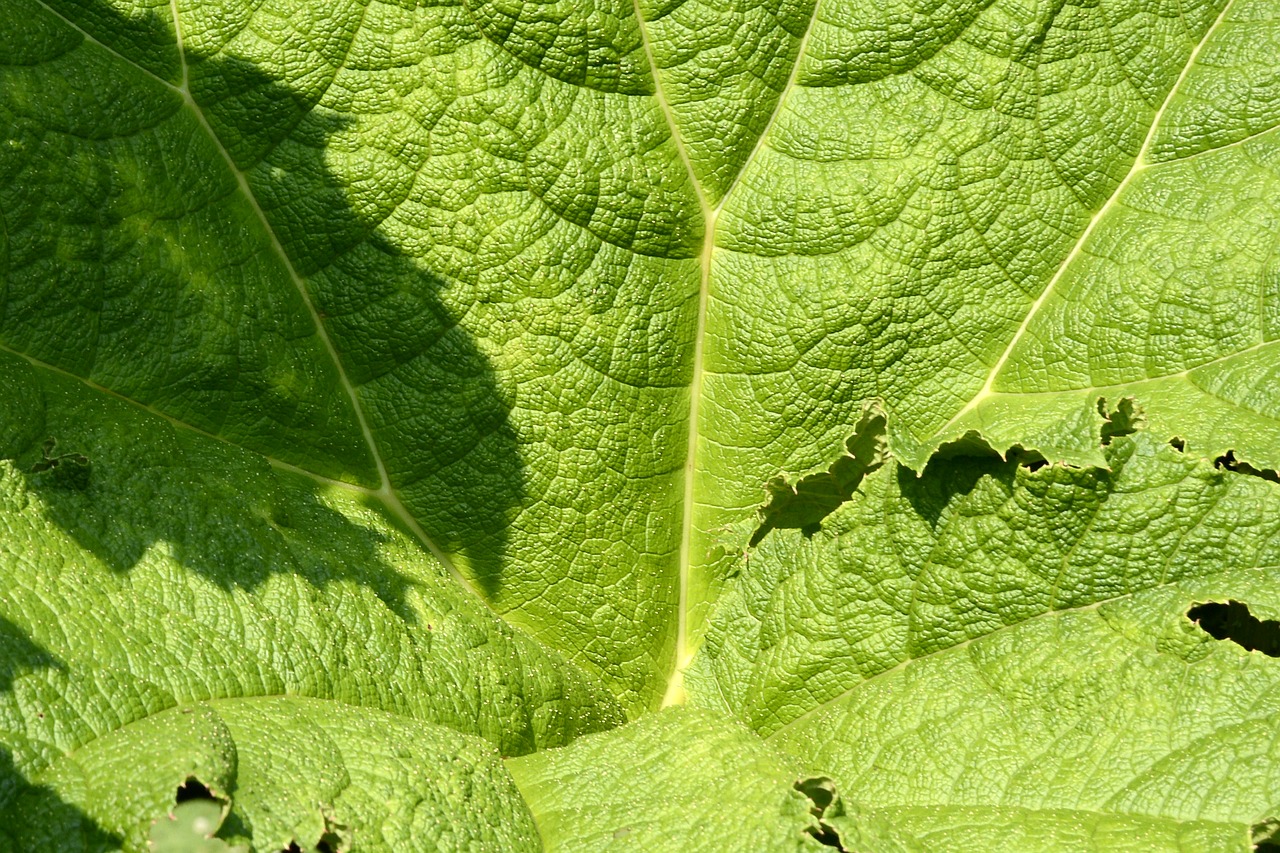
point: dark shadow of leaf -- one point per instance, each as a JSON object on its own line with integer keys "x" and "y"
{"x": 455, "y": 461}
{"x": 18, "y": 654}
{"x": 34, "y": 818}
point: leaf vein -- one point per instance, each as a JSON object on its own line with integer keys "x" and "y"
{"x": 1139, "y": 164}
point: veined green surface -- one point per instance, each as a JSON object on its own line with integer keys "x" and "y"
{"x": 994, "y": 653}
{"x": 681, "y": 779}
{"x": 294, "y": 769}
{"x": 153, "y": 568}
{"x": 323, "y": 325}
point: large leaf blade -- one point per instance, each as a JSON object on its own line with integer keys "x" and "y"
{"x": 985, "y": 645}
{"x": 147, "y": 566}
{"x": 551, "y": 291}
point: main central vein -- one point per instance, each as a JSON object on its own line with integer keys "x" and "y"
{"x": 675, "y": 685}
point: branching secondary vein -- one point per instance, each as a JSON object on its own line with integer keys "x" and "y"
{"x": 1139, "y": 164}
{"x": 777, "y": 108}
{"x": 385, "y": 492}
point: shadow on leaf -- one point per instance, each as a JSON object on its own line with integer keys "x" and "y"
{"x": 33, "y": 817}
{"x": 144, "y": 262}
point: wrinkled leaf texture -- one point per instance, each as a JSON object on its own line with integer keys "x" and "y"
{"x": 398, "y": 398}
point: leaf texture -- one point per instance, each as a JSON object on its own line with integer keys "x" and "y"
{"x": 991, "y": 653}
{"x": 679, "y": 779}
{"x": 421, "y": 359}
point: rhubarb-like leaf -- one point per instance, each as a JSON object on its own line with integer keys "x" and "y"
{"x": 444, "y": 360}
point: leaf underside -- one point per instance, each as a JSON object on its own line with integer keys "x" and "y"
{"x": 397, "y": 399}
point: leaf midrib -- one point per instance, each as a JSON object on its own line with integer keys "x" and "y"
{"x": 685, "y": 651}
{"x": 674, "y": 694}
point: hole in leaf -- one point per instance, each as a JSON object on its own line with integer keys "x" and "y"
{"x": 330, "y": 842}
{"x": 1233, "y": 621}
{"x": 1265, "y": 836}
{"x": 1229, "y": 462}
{"x": 815, "y": 496}
{"x": 193, "y": 789}
{"x": 824, "y": 802}
{"x": 826, "y": 836}
{"x": 1178, "y": 444}
{"x": 66, "y": 470}
{"x": 193, "y": 823}
{"x": 820, "y": 790}
{"x": 1126, "y": 419}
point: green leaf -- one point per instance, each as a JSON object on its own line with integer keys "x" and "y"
{"x": 1011, "y": 661}
{"x": 188, "y": 570}
{"x": 298, "y": 771}
{"x": 442, "y": 360}
{"x": 677, "y": 780}
{"x": 1169, "y": 292}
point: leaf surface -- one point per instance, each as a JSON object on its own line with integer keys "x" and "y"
{"x": 169, "y": 569}
{"x": 679, "y": 779}
{"x": 417, "y": 358}
{"x": 989, "y": 653}
{"x": 299, "y": 771}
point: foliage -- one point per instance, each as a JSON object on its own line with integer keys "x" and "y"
{"x": 405, "y": 406}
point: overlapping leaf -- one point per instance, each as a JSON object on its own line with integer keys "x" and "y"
{"x": 1000, "y": 658}
{"x": 148, "y": 568}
